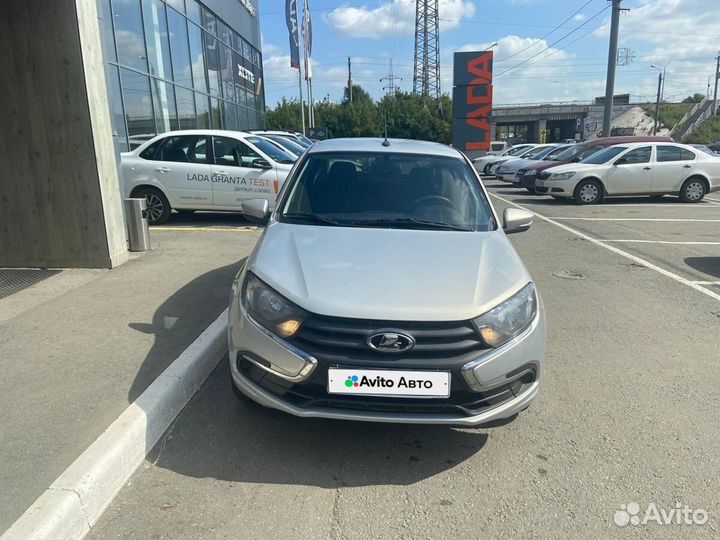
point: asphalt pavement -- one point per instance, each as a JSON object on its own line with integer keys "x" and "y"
{"x": 627, "y": 414}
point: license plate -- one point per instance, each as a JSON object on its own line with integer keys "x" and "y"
{"x": 390, "y": 383}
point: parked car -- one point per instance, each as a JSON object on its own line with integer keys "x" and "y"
{"x": 384, "y": 289}
{"x": 203, "y": 170}
{"x": 498, "y": 147}
{"x": 706, "y": 149}
{"x": 298, "y": 138}
{"x": 292, "y": 146}
{"x": 530, "y": 153}
{"x": 654, "y": 169}
{"x": 482, "y": 164}
{"x": 526, "y": 176}
{"x": 506, "y": 171}
{"x": 715, "y": 147}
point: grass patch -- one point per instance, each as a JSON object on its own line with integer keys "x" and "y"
{"x": 706, "y": 133}
{"x": 670, "y": 113}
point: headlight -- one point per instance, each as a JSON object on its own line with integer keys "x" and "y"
{"x": 270, "y": 309}
{"x": 509, "y": 319}
{"x": 530, "y": 173}
{"x": 563, "y": 176}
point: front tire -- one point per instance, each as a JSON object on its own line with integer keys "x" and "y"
{"x": 693, "y": 190}
{"x": 588, "y": 192}
{"x": 158, "y": 206}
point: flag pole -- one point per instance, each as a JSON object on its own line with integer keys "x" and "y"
{"x": 302, "y": 101}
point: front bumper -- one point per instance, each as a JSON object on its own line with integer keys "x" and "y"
{"x": 560, "y": 188}
{"x": 501, "y": 382}
{"x": 524, "y": 181}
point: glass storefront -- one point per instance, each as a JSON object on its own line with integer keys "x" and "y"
{"x": 174, "y": 64}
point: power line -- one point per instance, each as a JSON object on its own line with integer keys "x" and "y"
{"x": 551, "y": 45}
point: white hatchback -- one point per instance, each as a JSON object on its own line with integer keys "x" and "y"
{"x": 645, "y": 168}
{"x": 203, "y": 169}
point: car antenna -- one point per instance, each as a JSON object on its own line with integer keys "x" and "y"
{"x": 386, "y": 142}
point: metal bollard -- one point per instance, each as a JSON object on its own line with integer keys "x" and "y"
{"x": 136, "y": 215}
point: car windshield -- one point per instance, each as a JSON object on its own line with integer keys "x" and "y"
{"x": 527, "y": 152}
{"x": 383, "y": 190}
{"x": 569, "y": 153}
{"x": 303, "y": 140}
{"x": 515, "y": 150}
{"x": 604, "y": 155}
{"x": 294, "y": 147}
{"x": 554, "y": 152}
{"x": 272, "y": 151}
{"x": 539, "y": 153}
{"x": 703, "y": 149}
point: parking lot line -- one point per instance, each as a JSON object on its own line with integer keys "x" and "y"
{"x": 618, "y": 251}
{"x": 682, "y": 220}
{"x": 672, "y": 242}
{"x": 707, "y": 282}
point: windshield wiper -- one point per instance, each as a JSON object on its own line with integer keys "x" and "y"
{"x": 314, "y": 218}
{"x": 405, "y": 222}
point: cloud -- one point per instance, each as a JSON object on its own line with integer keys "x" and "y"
{"x": 579, "y": 17}
{"x": 683, "y": 36}
{"x": 397, "y": 16}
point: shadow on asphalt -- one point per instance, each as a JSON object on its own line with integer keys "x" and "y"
{"x": 217, "y": 436}
{"x": 706, "y": 265}
{"x": 180, "y": 319}
{"x": 610, "y": 202}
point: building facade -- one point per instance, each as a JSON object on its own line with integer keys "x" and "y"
{"x": 181, "y": 64}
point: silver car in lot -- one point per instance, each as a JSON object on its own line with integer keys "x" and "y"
{"x": 385, "y": 289}
{"x": 506, "y": 172}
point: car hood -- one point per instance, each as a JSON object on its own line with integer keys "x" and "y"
{"x": 389, "y": 274}
{"x": 573, "y": 167}
{"x": 542, "y": 165}
{"x": 517, "y": 164}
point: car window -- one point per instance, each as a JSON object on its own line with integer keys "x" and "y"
{"x": 604, "y": 155}
{"x": 184, "y": 149}
{"x": 540, "y": 154}
{"x": 668, "y": 153}
{"x": 149, "y": 152}
{"x": 276, "y": 154}
{"x": 515, "y": 150}
{"x": 497, "y": 146}
{"x": 686, "y": 155}
{"x": 387, "y": 190}
{"x": 590, "y": 151}
{"x": 233, "y": 153}
{"x": 572, "y": 151}
{"x": 639, "y": 155}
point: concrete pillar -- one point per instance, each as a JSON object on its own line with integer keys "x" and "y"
{"x": 541, "y": 124}
{"x": 60, "y": 205}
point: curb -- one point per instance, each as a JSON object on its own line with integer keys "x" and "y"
{"x": 77, "y": 498}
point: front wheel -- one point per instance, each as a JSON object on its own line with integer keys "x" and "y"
{"x": 693, "y": 190}
{"x": 588, "y": 192}
{"x": 531, "y": 190}
{"x": 157, "y": 205}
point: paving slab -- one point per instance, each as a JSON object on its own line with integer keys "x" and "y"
{"x": 75, "y": 355}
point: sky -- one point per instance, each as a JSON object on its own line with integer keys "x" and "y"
{"x": 547, "y": 50}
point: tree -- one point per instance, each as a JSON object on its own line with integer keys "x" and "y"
{"x": 695, "y": 98}
{"x": 409, "y": 116}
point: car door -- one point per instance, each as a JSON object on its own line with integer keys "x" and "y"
{"x": 182, "y": 166}
{"x": 673, "y": 165}
{"x": 240, "y": 173}
{"x": 631, "y": 172}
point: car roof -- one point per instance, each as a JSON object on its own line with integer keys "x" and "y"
{"x": 217, "y": 132}
{"x": 375, "y": 144}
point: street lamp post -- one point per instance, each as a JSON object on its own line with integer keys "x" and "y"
{"x": 657, "y": 103}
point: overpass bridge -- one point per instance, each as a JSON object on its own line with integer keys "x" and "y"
{"x": 562, "y": 120}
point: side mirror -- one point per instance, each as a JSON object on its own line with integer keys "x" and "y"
{"x": 260, "y": 163}
{"x": 516, "y": 220}
{"x": 257, "y": 208}
{"x": 577, "y": 159}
